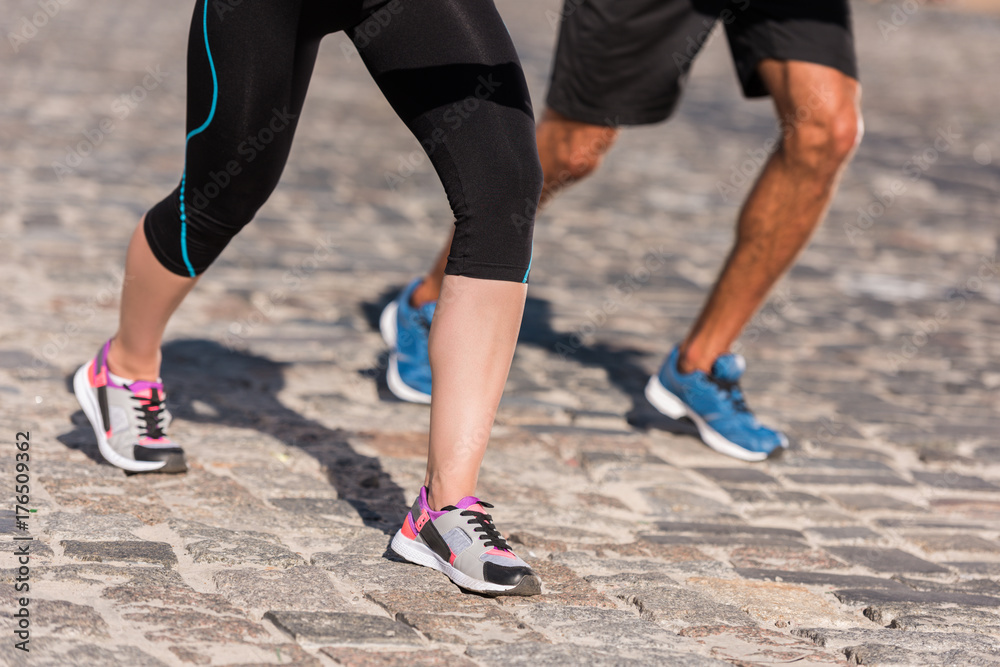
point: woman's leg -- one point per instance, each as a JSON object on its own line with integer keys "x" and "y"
{"x": 450, "y": 71}
{"x": 248, "y": 71}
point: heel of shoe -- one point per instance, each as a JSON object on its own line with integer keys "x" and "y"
{"x": 664, "y": 400}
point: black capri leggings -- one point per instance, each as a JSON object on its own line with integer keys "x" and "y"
{"x": 447, "y": 67}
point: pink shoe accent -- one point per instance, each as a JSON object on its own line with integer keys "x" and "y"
{"x": 496, "y": 552}
{"x": 98, "y": 380}
{"x": 451, "y": 559}
{"x": 409, "y": 530}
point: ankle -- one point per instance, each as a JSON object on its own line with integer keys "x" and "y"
{"x": 691, "y": 359}
{"x": 134, "y": 367}
{"x": 438, "y": 497}
{"x": 425, "y": 292}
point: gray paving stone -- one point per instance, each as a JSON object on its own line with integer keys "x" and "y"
{"x": 84, "y": 526}
{"x": 120, "y": 551}
{"x": 903, "y": 647}
{"x": 319, "y": 506}
{"x": 243, "y": 551}
{"x": 936, "y": 542}
{"x": 885, "y": 560}
{"x": 726, "y": 529}
{"x": 798, "y": 498}
{"x": 210, "y": 544}
{"x": 984, "y": 586}
{"x": 874, "y": 501}
{"x": 299, "y": 588}
{"x": 848, "y": 480}
{"x": 61, "y": 618}
{"x": 843, "y": 533}
{"x": 737, "y": 475}
{"x": 724, "y": 540}
{"x": 835, "y": 464}
{"x": 380, "y": 574}
{"x": 819, "y": 578}
{"x": 743, "y": 495}
{"x": 596, "y": 627}
{"x": 527, "y": 654}
{"x": 865, "y": 596}
{"x": 342, "y": 628}
{"x": 876, "y": 654}
{"x": 677, "y": 606}
{"x": 54, "y": 652}
{"x": 950, "y": 480}
{"x": 913, "y": 522}
{"x": 374, "y": 657}
{"x": 976, "y": 567}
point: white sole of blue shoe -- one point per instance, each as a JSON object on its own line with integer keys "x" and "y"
{"x": 387, "y": 323}
{"x": 669, "y": 404}
{"x": 399, "y": 389}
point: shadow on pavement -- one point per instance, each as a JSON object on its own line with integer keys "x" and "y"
{"x": 622, "y": 364}
{"x": 241, "y": 390}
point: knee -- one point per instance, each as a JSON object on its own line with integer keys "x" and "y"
{"x": 569, "y": 150}
{"x": 825, "y": 140}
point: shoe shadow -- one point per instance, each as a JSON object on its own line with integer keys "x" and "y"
{"x": 623, "y": 366}
{"x": 208, "y": 383}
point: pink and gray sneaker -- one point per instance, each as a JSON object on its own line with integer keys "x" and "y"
{"x": 129, "y": 418}
{"x": 462, "y": 542}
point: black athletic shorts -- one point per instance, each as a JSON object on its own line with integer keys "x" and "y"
{"x": 624, "y": 62}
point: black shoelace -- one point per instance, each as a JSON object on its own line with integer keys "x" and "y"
{"x": 489, "y": 534}
{"x": 734, "y": 391}
{"x": 151, "y": 413}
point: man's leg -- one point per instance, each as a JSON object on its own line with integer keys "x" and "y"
{"x": 569, "y": 152}
{"x": 787, "y": 203}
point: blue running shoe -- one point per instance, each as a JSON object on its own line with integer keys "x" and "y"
{"x": 715, "y": 404}
{"x": 405, "y": 330}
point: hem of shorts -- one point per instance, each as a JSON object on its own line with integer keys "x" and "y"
{"x": 605, "y": 118}
{"x": 486, "y": 271}
{"x": 753, "y": 87}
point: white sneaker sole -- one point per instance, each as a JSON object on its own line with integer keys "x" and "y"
{"x": 399, "y": 389}
{"x": 669, "y": 404}
{"x": 88, "y": 401}
{"x": 421, "y": 555}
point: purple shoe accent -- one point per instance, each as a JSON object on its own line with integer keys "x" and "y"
{"x": 426, "y": 507}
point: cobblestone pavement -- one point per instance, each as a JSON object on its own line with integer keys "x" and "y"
{"x": 875, "y": 540}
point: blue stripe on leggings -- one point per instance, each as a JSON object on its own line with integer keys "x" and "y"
{"x": 531, "y": 258}
{"x": 198, "y": 130}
